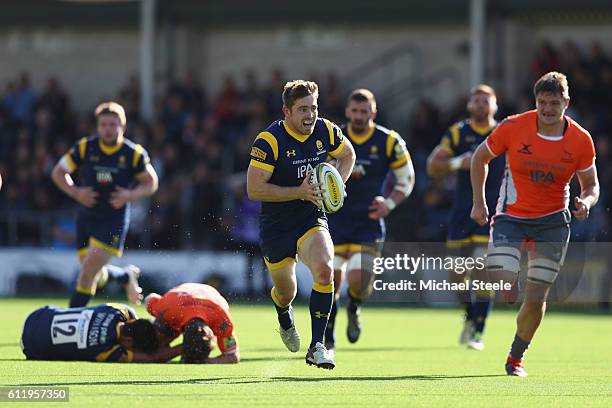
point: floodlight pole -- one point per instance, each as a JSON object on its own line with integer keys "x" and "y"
{"x": 477, "y": 32}
{"x": 147, "y": 58}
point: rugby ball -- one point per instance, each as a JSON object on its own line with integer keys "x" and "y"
{"x": 331, "y": 180}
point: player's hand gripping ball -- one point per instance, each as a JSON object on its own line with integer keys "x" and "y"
{"x": 333, "y": 194}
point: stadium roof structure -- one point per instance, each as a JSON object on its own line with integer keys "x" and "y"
{"x": 211, "y": 13}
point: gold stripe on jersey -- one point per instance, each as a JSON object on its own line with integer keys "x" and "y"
{"x": 271, "y": 140}
{"x": 392, "y": 137}
{"x": 330, "y": 130}
{"x": 110, "y": 150}
{"x": 82, "y": 147}
{"x": 338, "y": 149}
{"x": 481, "y": 130}
{"x": 445, "y": 145}
{"x": 455, "y": 134}
{"x": 399, "y": 162}
{"x": 106, "y": 354}
{"x": 263, "y": 166}
{"x": 295, "y": 135}
{"x": 71, "y": 164}
{"x": 121, "y": 308}
{"x": 138, "y": 149}
{"x": 360, "y": 139}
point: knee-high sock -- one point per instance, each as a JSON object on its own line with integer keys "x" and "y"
{"x": 118, "y": 274}
{"x": 330, "y": 335}
{"x": 518, "y": 348}
{"x": 285, "y": 317}
{"x": 321, "y": 299}
{"x": 466, "y": 298}
{"x": 80, "y": 296}
{"x": 480, "y": 311}
{"x": 354, "y": 302}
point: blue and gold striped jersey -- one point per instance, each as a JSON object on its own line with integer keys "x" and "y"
{"x": 460, "y": 138}
{"x": 290, "y": 156}
{"x": 82, "y": 333}
{"x": 377, "y": 151}
{"x": 104, "y": 168}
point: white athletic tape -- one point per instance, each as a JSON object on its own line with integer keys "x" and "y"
{"x": 360, "y": 261}
{"x": 543, "y": 270}
{"x": 480, "y": 251}
{"x": 63, "y": 163}
{"x": 340, "y": 264}
{"x": 404, "y": 179}
{"x": 503, "y": 259}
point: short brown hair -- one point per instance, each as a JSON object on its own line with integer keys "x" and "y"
{"x": 553, "y": 82}
{"x": 196, "y": 343}
{"x": 142, "y": 331}
{"x": 363, "y": 95}
{"x": 484, "y": 89}
{"x": 112, "y": 108}
{"x": 298, "y": 89}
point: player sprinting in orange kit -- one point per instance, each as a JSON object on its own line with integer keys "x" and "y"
{"x": 202, "y": 315}
{"x": 544, "y": 149}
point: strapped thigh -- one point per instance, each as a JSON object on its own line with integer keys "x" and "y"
{"x": 543, "y": 270}
{"x": 503, "y": 258}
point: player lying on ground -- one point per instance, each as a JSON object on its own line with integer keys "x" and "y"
{"x": 109, "y": 332}
{"x": 201, "y": 314}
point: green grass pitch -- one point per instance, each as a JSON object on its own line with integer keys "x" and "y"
{"x": 406, "y": 357}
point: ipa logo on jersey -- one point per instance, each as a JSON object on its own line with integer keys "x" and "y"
{"x": 333, "y": 197}
{"x": 104, "y": 177}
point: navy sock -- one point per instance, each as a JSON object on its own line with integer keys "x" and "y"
{"x": 354, "y": 302}
{"x": 469, "y": 311}
{"x": 330, "y": 335}
{"x": 518, "y": 348}
{"x": 118, "y": 274}
{"x": 481, "y": 309}
{"x": 465, "y": 298}
{"x": 285, "y": 317}
{"x": 321, "y": 299}
{"x": 80, "y": 297}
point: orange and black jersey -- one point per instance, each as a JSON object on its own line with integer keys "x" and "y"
{"x": 104, "y": 168}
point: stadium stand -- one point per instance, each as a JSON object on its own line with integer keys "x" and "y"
{"x": 199, "y": 146}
